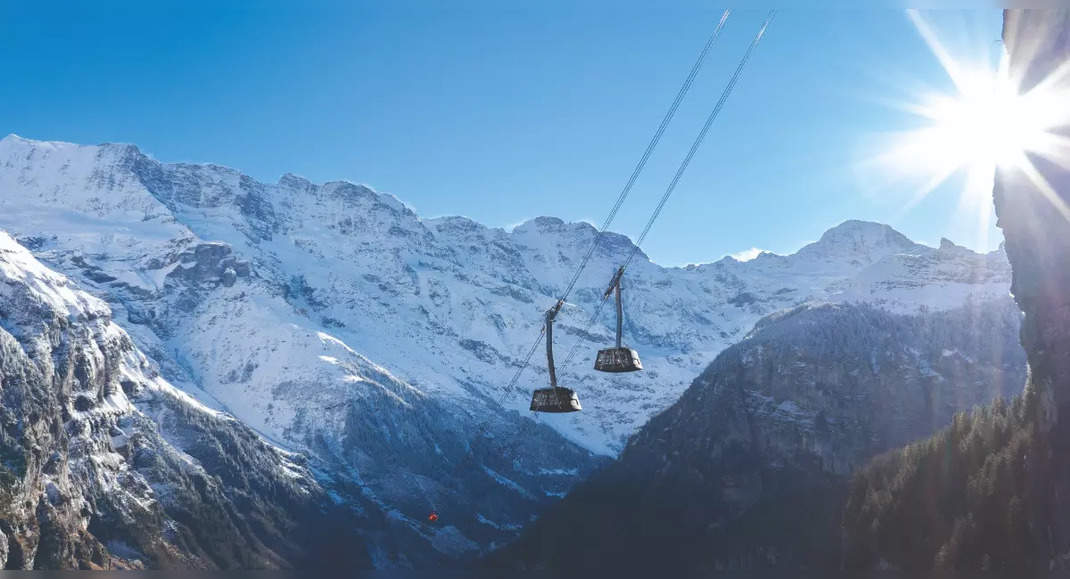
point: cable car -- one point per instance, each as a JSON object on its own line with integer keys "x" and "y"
{"x": 555, "y": 398}
{"x": 620, "y": 358}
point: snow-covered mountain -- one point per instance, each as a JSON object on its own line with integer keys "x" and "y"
{"x": 241, "y": 334}
{"x": 447, "y": 304}
{"x": 105, "y": 464}
{"x": 334, "y": 320}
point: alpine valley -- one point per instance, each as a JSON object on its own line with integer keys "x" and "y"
{"x": 200, "y": 369}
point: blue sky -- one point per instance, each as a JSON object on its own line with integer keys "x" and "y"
{"x": 503, "y": 112}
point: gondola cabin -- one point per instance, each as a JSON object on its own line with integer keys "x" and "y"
{"x": 619, "y": 358}
{"x": 553, "y": 399}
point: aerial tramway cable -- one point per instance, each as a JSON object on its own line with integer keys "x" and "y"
{"x": 636, "y": 171}
{"x": 682, "y": 168}
{"x": 641, "y": 164}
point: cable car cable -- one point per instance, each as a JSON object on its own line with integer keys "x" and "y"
{"x": 683, "y": 165}
{"x": 636, "y": 171}
{"x": 701, "y": 136}
{"x": 641, "y": 164}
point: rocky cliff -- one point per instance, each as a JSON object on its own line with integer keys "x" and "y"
{"x": 106, "y": 465}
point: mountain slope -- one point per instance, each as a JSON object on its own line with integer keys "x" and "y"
{"x": 447, "y": 304}
{"x": 105, "y": 464}
{"x": 243, "y": 335}
{"x": 338, "y": 323}
{"x": 750, "y": 467}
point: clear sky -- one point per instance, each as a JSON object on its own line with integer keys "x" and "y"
{"x": 506, "y": 111}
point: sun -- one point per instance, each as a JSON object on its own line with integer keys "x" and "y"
{"x": 986, "y": 122}
{"x": 985, "y": 125}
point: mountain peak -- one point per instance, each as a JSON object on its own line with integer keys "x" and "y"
{"x": 577, "y": 231}
{"x": 542, "y": 222}
{"x": 295, "y": 181}
{"x": 549, "y": 224}
{"x": 128, "y": 148}
{"x": 857, "y": 239}
{"x": 19, "y": 145}
{"x": 14, "y": 140}
{"x": 454, "y": 223}
{"x": 866, "y": 231}
{"x": 355, "y": 191}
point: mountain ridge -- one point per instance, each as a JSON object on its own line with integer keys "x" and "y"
{"x": 323, "y": 315}
{"x": 844, "y": 229}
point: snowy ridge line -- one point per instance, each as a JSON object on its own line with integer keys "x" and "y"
{"x": 445, "y": 302}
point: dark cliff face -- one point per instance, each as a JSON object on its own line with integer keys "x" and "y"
{"x": 1034, "y": 209}
{"x": 749, "y": 468}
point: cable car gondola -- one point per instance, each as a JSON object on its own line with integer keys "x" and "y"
{"x": 555, "y": 398}
{"x": 619, "y": 359}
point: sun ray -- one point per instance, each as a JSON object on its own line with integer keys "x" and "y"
{"x": 937, "y": 47}
{"x": 935, "y": 180}
{"x": 986, "y": 122}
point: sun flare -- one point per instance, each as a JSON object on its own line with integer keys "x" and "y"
{"x": 986, "y": 122}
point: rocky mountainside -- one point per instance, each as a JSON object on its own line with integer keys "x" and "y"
{"x": 336, "y": 322}
{"x": 106, "y": 465}
{"x": 749, "y": 468}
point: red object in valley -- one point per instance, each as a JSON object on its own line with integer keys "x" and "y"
{"x": 432, "y": 517}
